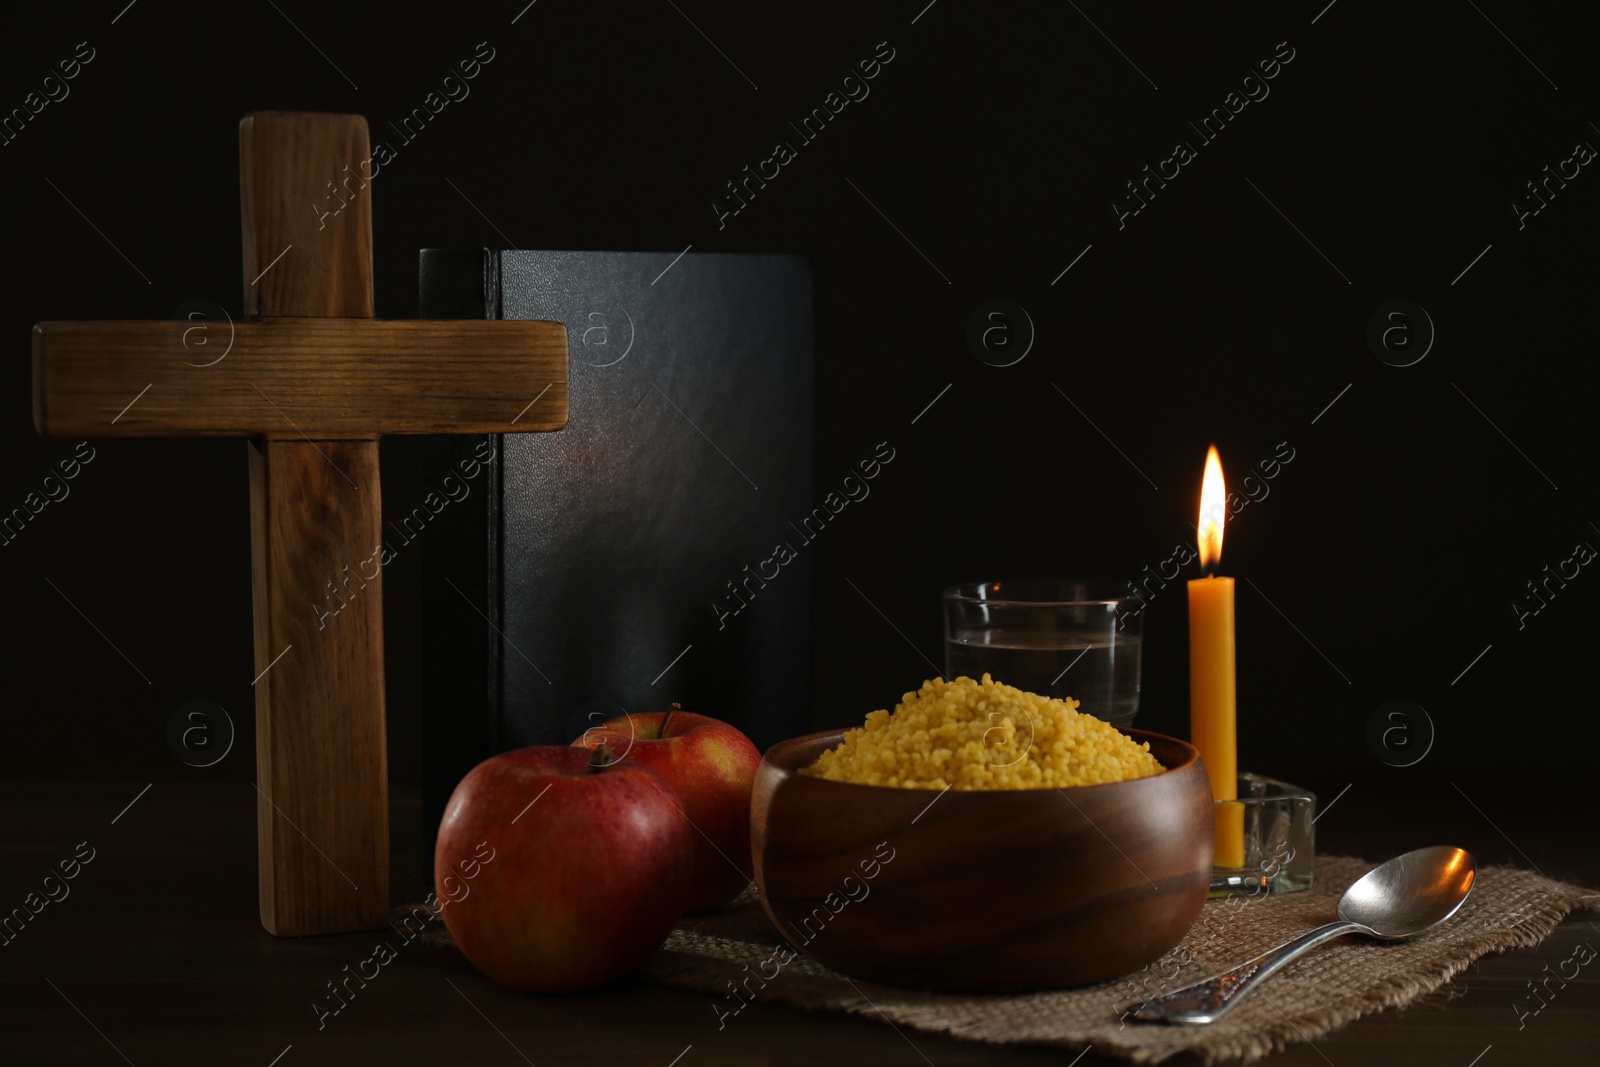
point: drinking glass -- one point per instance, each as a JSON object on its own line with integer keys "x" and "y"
{"x": 1056, "y": 638}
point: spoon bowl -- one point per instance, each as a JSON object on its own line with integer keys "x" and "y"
{"x": 1411, "y": 893}
{"x": 1400, "y": 898}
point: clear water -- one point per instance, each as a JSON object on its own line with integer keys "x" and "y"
{"x": 1101, "y": 675}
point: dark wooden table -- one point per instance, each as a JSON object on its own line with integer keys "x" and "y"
{"x": 157, "y": 956}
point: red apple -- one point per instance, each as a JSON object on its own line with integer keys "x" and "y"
{"x": 712, "y": 768}
{"x": 588, "y": 865}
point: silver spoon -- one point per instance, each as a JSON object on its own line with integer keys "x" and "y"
{"x": 1400, "y": 898}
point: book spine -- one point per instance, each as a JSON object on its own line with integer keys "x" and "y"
{"x": 461, "y": 552}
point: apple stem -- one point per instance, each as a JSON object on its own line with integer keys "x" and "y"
{"x": 668, "y": 718}
{"x": 600, "y": 759}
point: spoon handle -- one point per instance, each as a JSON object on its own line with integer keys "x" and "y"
{"x": 1208, "y": 1000}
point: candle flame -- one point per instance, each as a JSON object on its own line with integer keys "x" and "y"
{"x": 1213, "y": 506}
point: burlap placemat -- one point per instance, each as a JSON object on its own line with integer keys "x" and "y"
{"x": 731, "y": 955}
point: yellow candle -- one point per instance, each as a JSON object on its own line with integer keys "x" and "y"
{"x": 1212, "y": 685}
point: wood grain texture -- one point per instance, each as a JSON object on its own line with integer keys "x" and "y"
{"x": 292, "y": 177}
{"x": 287, "y": 377}
{"x": 322, "y": 810}
{"x": 1018, "y": 890}
{"x": 321, "y": 756}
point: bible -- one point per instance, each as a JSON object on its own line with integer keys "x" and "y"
{"x": 632, "y": 559}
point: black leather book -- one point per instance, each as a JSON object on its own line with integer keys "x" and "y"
{"x": 645, "y": 553}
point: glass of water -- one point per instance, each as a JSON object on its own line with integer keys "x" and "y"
{"x": 1056, "y": 638}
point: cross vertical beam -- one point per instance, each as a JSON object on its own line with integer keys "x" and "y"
{"x": 315, "y": 510}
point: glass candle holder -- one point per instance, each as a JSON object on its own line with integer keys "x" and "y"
{"x": 1279, "y": 839}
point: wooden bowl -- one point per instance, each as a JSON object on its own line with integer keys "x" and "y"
{"x": 993, "y": 890}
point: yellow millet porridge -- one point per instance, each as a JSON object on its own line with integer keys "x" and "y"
{"x": 965, "y": 734}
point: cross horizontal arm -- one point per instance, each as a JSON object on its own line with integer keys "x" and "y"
{"x": 319, "y": 378}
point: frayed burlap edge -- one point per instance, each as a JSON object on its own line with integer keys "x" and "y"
{"x": 730, "y": 953}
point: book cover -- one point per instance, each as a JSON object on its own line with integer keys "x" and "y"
{"x": 646, "y": 553}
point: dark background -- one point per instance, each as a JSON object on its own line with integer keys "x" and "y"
{"x": 1396, "y": 139}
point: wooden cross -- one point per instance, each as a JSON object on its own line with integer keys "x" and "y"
{"x": 313, "y": 381}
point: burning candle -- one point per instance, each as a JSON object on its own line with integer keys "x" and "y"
{"x": 1212, "y": 690}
